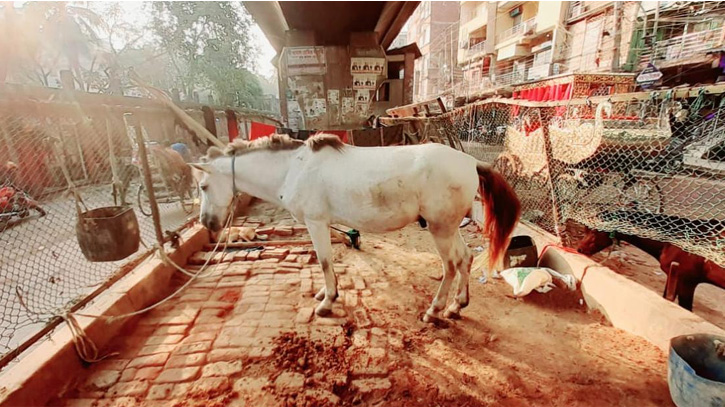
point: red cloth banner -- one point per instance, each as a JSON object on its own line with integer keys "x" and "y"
{"x": 261, "y": 130}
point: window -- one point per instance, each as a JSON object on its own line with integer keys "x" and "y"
{"x": 424, "y": 37}
{"x": 517, "y": 19}
{"x": 425, "y": 9}
{"x": 542, "y": 58}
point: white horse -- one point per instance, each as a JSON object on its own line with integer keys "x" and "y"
{"x": 373, "y": 189}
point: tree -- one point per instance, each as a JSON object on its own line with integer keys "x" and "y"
{"x": 121, "y": 37}
{"x": 65, "y": 30}
{"x": 210, "y": 47}
{"x": 22, "y": 47}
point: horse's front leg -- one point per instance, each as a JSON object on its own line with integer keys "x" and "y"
{"x": 320, "y": 235}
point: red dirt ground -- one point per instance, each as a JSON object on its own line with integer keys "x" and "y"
{"x": 543, "y": 350}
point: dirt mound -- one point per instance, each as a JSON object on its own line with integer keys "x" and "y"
{"x": 301, "y": 355}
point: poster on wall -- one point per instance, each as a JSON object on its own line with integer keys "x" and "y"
{"x": 364, "y": 81}
{"x": 305, "y": 60}
{"x": 362, "y": 97}
{"x": 362, "y": 110}
{"x": 320, "y": 106}
{"x": 348, "y": 104}
{"x": 333, "y": 96}
{"x": 367, "y": 65}
{"x": 294, "y": 114}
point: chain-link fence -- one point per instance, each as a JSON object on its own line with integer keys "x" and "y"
{"x": 73, "y": 196}
{"x": 646, "y": 165}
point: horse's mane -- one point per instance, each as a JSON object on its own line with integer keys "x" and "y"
{"x": 276, "y": 142}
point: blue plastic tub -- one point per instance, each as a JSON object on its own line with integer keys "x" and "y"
{"x": 696, "y": 371}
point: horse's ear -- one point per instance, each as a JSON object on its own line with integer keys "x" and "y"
{"x": 204, "y": 167}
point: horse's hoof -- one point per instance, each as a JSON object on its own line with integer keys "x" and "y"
{"x": 320, "y": 295}
{"x": 323, "y": 311}
{"x": 435, "y": 321}
{"x": 452, "y": 314}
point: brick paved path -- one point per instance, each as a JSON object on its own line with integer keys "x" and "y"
{"x": 247, "y": 336}
{"x": 196, "y": 347}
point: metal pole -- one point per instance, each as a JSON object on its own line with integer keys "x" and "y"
{"x": 149, "y": 184}
{"x": 617, "y": 35}
{"x": 654, "y": 32}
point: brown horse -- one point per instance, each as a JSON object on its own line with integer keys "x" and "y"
{"x": 176, "y": 172}
{"x": 684, "y": 270}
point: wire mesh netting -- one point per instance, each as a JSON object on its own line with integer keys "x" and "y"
{"x": 649, "y": 166}
{"x": 64, "y": 161}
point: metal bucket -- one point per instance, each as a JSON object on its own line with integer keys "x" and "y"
{"x": 108, "y": 234}
{"x": 696, "y": 370}
{"x": 521, "y": 253}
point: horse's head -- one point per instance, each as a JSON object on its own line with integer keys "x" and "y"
{"x": 217, "y": 189}
{"x": 593, "y": 242}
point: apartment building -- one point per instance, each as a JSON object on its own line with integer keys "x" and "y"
{"x": 684, "y": 40}
{"x": 434, "y": 28}
{"x": 510, "y": 42}
{"x": 502, "y": 43}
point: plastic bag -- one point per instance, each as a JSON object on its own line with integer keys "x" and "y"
{"x": 524, "y": 280}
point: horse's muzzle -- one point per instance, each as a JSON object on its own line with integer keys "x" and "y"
{"x": 211, "y": 222}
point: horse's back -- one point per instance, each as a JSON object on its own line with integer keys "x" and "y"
{"x": 385, "y": 188}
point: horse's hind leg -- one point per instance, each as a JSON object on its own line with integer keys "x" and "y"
{"x": 320, "y": 235}
{"x": 463, "y": 265}
{"x": 444, "y": 236}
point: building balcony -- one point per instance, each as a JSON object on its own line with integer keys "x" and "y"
{"x": 684, "y": 49}
{"x": 576, "y": 9}
{"x": 520, "y": 29}
{"x": 509, "y": 78}
{"x": 474, "y": 51}
{"x": 538, "y": 72}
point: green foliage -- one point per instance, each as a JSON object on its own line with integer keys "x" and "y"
{"x": 210, "y": 46}
{"x": 46, "y": 34}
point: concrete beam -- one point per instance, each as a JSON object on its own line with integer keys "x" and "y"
{"x": 268, "y": 14}
{"x": 392, "y": 19}
{"x": 626, "y": 304}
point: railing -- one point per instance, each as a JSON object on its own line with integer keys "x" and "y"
{"x": 683, "y": 47}
{"x": 538, "y": 71}
{"x": 509, "y": 78}
{"x": 471, "y": 86}
{"x": 475, "y": 50}
{"x": 576, "y": 8}
{"x": 518, "y": 29}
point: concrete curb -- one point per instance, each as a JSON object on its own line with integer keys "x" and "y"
{"x": 626, "y": 304}
{"x": 42, "y": 372}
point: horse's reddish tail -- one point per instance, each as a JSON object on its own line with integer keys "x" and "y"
{"x": 501, "y": 210}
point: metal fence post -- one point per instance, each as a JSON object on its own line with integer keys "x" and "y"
{"x": 149, "y": 184}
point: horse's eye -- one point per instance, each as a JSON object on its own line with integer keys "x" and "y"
{"x": 204, "y": 187}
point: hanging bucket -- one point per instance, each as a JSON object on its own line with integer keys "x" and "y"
{"x": 521, "y": 253}
{"x": 108, "y": 233}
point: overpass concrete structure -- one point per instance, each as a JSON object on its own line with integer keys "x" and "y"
{"x": 334, "y": 70}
